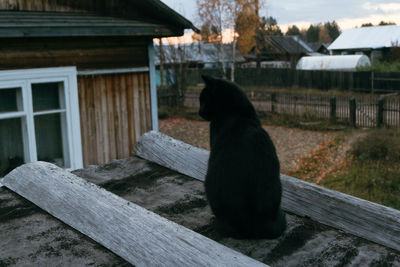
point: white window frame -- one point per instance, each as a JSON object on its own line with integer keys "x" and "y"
{"x": 24, "y": 79}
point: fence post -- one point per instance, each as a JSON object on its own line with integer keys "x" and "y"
{"x": 352, "y": 105}
{"x": 333, "y": 109}
{"x": 273, "y": 102}
{"x": 372, "y": 81}
{"x": 379, "y": 119}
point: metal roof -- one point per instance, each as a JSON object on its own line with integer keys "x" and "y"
{"x": 367, "y": 38}
{"x": 348, "y": 62}
{"x": 286, "y": 44}
{"x": 57, "y": 24}
{"x": 196, "y": 52}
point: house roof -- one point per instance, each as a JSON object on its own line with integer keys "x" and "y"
{"x": 145, "y": 18}
{"x": 57, "y": 24}
{"x": 198, "y": 52}
{"x": 317, "y": 46}
{"x": 367, "y": 38}
{"x": 286, "y": 45}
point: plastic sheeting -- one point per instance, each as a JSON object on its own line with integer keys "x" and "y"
{"x": 348, "y": 62}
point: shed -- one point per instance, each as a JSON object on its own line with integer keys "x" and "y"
{"x": 348, "y": 62}
{"x": 281, "y": 48}
{"x": 77, "y": 80}
{"x": 372, "y": 41}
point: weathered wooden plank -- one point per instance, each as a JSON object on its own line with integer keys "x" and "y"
{"x": 136, "y": 105}
{"x": 83, "y": 116}
{"x": 124, "y": 116}
{"x": 110, "y": 118}
{"x": 103, "y": 93}
{"x": 139, "y": 236}
{"x": 98, "y": 121}
{"x": 356, "y": 216}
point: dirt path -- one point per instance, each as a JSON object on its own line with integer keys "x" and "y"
{"x": 291, "y": 144}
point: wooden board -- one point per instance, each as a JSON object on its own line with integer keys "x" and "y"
{"x": 356, "y": 216}
{"x": 112, "y": 115}
{"x": 86, "y": 53}
{"x": 139, "y": 236}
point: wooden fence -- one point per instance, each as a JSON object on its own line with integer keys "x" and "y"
{"x": 360, "y": 111}
{"x": 362, "y": 81}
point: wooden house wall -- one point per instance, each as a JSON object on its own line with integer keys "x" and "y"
{"x": 115, "y": 110}
{"x": 82, "y": 52}
{"x": 119, "y": 8}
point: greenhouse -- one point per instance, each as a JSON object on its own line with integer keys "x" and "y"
{"x": 342, "y": 62}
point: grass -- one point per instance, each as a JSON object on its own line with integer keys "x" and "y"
{"x": 369, "y": 170}
{"x": 382, "y": 66}
{"x": 306, "y": 121}
{"x": 176, "y": 112}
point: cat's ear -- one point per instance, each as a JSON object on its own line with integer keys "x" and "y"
{"x": 208, "y": 79}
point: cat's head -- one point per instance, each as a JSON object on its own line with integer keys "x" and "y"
{"x": 207, "y": 98}
{"x": 222, "y": 98}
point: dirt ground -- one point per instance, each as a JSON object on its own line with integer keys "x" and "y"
{"x": 290, "y": 143}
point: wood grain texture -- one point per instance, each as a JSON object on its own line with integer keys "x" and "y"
{"x": 84, "y": 52}
{"x": 139, "y": 236}
{"x": 112, "y": 117}
{"x": 353, "y": 215}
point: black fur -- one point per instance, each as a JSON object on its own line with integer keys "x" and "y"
{"x": 242, "y": 183}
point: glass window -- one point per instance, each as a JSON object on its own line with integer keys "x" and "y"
{"x": 11, "y": 145}
{"x": 50, "y": 142}
{"x": 10, "y": 99}
{"x": 46, "y": 96}
{"x": 35, "y": 121}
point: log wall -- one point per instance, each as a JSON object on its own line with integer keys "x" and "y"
{"x": 115, "y": 111}
{"x": 82, "y": 52}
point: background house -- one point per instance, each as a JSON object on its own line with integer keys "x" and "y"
{"x": 375, "y": 42}
{"x": 196, "y": 55}
{"x": 285, "y": 50}
{"x": 319, "y": 48}
{"x": 77, "y": 80}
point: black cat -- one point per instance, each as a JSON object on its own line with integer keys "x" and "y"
{"x": 243, "y": 179}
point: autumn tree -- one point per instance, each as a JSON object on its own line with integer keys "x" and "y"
{"x": 236, "y": 17}
{"x": 323, "y": 36}
{"x": 212, "y": 14}
{"x": 247, "y": 22}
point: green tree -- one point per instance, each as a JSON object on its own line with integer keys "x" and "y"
{"x": 293, "y": 30}
{"x": 312, "y": 34}
{"x": 383, "y": 23}
{"x": 333, "y": 29}
{"x": 369, "y": 24}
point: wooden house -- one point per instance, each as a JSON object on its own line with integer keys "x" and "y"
{"x": 375, "y": 42}
{"x": 77, "y": 78}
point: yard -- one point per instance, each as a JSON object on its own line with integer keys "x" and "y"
{"x": 322, "y": 157}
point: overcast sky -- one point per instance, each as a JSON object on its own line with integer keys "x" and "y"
{"x": 348, "y": 13}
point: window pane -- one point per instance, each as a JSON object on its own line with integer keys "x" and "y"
{"x": 9, "y": 99}
{"x": 11, "y": 145}
{"x": 46, "y": 96}
{"x": 50, "y": 141}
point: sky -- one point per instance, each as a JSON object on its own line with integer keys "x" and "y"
{"x": 348, "y": 13}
